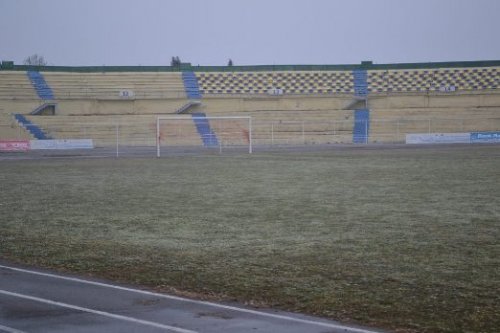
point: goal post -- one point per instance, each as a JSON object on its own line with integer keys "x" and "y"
{"x": 200, "y": 131}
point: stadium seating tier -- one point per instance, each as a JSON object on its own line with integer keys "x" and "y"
{"x": 434, "y": 80}
{"x": 67, "y": 85}
{"x": 289, "y": 106}
{"x": 306, "y": 82}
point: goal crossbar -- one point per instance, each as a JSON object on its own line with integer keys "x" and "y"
{"x": 159, "y": 119}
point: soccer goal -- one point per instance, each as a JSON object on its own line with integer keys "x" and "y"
{"x": 198, "y": 132}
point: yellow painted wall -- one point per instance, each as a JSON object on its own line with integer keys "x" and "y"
{"x": 490, "y": 99}
{"x": 108, "y": 85}
{"x": 316, "y": 118}
{"x": 10, "y": 129}
{"x": 23, "y": 106}
{"x": 15, "y": 85}
{"x": 392, "y": 117}
{"x": 306, "y": 103}
{"x": 451, "y": 100}
{"x": 103, "y": 107}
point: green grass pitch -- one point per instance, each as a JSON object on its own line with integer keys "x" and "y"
{"x": 402, "y": 239}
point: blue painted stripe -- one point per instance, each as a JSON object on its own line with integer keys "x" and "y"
{"x": 41, "y": 86}
{"x": 191, "y": 85}
{"x": 36, "y": 131}
{"x": 361, "y": 130}
{"x": 360, "y": 82}
{"x": 207, "y": 135}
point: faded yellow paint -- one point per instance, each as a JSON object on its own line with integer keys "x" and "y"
{"x": 16, "y": 85}
{"x": 147, "y": 85}
{"x": 10, "y": 129}
{"x": 89, "y": 103}
{"x": 118, "y": 107}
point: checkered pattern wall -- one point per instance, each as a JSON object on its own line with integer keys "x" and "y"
{"x": 290, "y": 82}
{"x": 332, "y": 82}
{"x": 434, "y": 80}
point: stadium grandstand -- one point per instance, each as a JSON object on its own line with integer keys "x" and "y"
{"x": 301, "y": 104}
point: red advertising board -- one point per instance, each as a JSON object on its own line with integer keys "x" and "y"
{"x": 14, "y": 145}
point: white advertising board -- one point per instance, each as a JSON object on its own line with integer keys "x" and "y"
{"x": 62, "y": 144}
{"x": 429, "y": 138}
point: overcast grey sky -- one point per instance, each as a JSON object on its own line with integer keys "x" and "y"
{"x": 208, "y": 32}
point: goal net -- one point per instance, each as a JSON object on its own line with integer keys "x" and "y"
{"x": 201, "y": 133}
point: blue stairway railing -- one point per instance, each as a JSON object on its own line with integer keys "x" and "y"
{"x": 32, "y": 128}
{"x": 42, "y": 88}
{"x": 207, "y": 135}
{"x": 191, "y": 85}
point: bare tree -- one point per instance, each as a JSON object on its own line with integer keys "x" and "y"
{"x": 35, "y": 60}
{"x": 175, "y": 62}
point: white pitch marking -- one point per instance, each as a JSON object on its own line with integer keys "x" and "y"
{"x": 97, "y": 312}
{"x": 10, "y": 329}
{"x": 346, "y": 329}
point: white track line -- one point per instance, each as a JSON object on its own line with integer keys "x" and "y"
{"x": 97, "y": 312}
{"x": 10, "y": 329}
{"x": 346, "y": 329}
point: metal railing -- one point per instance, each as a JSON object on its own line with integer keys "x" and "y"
{"x": 117, "y": 136}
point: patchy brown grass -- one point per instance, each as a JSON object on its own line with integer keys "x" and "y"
{"x": 404, "y": 239}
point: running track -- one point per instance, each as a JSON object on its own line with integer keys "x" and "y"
{"x": 33, "y": 301}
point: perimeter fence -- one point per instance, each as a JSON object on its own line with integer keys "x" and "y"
{"x": 116, "y": 137}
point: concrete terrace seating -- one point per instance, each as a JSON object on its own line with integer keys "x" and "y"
{"x": 15, "y": 85}
{"x": 394, "y": 117}
{"x": 394, "y": 131}
{"x": 131, "y": 130}
{"x": 10, "y": 129}
{"x": 289, "y": 82}
{"x": 434, "y": 80}
{"x": 292, "y": 127}
{"x": 287, "y": 106}
{"x": 16, "y": 95}
{"x": 137, "y": 130}
{"x": 295, "y": 126}
{"x": 107, "y": 85}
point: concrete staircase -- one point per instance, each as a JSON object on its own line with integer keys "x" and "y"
{"x": 207, "y": 135}
{"x": 41, "y": 87}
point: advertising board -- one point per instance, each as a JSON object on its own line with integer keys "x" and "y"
{"x": 14, "y": 145}
{"x": 62, "y": 144}
{"x": 478, "y": 137}
{"x": 430, "y": 138}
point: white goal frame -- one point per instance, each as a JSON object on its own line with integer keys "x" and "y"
{"x": 167, "y": 118}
